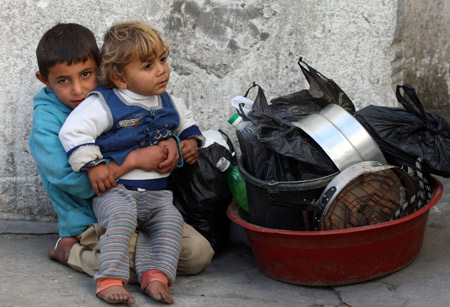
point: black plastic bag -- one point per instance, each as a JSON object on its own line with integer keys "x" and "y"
{"x": 202, "y": 196}
{"x": 322, "y": 92}
{"x": 294, "y": 106}
{"x": 320, "y": 87}
{"x": 407, "y": 134}
{"x": 275, "y": 149}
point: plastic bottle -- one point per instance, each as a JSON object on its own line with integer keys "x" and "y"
{"x": 251, "y": 147}
{"x": 236, "y": 183}
{"x": 236, "y": 121}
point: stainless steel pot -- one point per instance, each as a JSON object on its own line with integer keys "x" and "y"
{"x": 341, "y": 136}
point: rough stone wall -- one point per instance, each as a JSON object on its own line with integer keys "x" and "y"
{"x": 218, "y": 49}
{"x": 426, "y": 45}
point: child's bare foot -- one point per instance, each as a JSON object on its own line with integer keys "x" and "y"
{"x": 116, "y": 295}
{"x": 62, "y": 249}
{"x": 158, "y": 291}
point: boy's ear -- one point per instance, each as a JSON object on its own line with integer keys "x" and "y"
{"x": 43, "y": 79}
{"x": 119, "y": 80}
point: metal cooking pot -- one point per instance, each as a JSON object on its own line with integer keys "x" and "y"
{"x": 341, "y": 136}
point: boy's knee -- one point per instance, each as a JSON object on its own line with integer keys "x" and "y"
{"x": 196, "y": 253}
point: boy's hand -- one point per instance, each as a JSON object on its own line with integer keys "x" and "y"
{"x": 150, "y": 158}
{"x": 189, "y": 150}
{"x": 172, "y": 156}
{"x": 102, "y": 178}
{"x": 146, "y": 158}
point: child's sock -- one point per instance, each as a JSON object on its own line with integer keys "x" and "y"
{"x": 154, "y": 275}
{"x": 104, "y": 283}
{"x": 155, "y": 284}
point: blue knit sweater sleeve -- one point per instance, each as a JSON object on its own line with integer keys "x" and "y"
{"x": 69, "y": 192}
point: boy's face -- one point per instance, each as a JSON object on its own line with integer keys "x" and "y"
{"x": 71, "y": 83}
{"x": 146, "y": 78}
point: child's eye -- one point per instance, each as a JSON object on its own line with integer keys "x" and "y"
{"x": 164, "y": 58}
{"x": 147, "y": 66}
{"x": 86, "y": 74}
{"x": 63, "y": 80}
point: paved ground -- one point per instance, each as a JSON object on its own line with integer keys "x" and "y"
{"x": 29, "y": 278}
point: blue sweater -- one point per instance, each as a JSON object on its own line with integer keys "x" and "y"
{"x": 69, "y": 191}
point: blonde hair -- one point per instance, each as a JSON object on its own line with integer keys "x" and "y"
{"x": 124, "y": 42}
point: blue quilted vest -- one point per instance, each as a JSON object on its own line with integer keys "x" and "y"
{"x": 133, "y": 126}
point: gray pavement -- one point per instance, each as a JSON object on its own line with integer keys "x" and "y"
{"x": 29, "y": 278}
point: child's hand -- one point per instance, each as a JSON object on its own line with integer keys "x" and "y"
{"x": 189, "y": 150}
{"x": 102, "y": 178}
{"x": 172, "y": 157}
{"x": 146, "y": 158}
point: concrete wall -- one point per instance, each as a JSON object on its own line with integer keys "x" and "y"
{"x": 426, "y": 47}
{"x": 218, "y": 49}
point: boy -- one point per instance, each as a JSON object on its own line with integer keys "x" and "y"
{"x": 132, "y": 111}
{"x": 68, "y": 59}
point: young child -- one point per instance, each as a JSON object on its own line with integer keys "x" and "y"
{"x": 68, "y": 59}
{"x": 132, "y": 111}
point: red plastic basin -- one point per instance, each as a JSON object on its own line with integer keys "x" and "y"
{"x": 338, "y": 257}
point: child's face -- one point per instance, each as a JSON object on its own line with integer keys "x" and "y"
{"x": 146, "y": 78}
{"x": 71, "y": 83}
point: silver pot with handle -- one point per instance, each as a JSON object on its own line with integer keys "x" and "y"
{"x": 341, "y": 136}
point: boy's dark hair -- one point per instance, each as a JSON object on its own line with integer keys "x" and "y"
{"x": 66, "y": 43}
